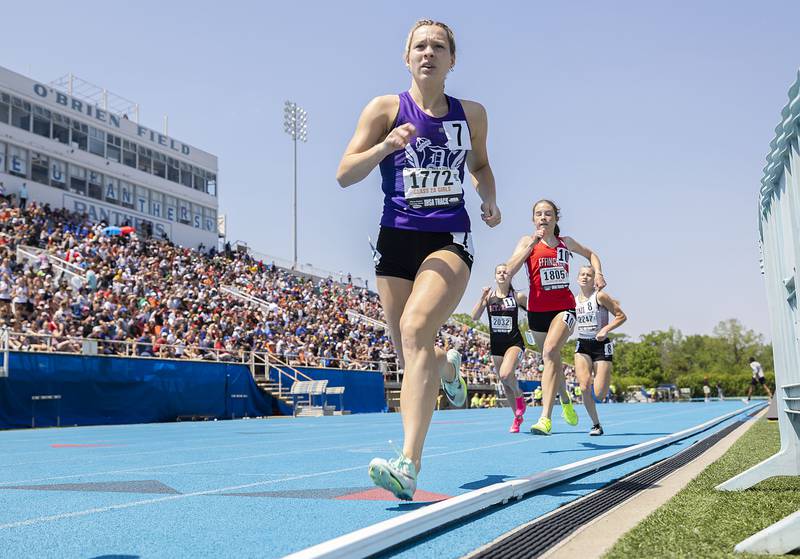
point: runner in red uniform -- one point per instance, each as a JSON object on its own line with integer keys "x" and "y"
{"x": 551, "y": 305}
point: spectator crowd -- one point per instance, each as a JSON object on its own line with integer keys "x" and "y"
{"x": 132, "y": 295}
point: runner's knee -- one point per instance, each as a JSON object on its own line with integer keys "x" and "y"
{"x": 414, "y": 331}
{"x": 508, "y": 376}
{"x": 551, "y": 352}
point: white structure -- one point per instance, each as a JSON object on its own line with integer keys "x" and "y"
{"x": 73, "y": 150}
{"x": 779, "y": 224}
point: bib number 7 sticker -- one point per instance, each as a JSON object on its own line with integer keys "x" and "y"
{"x": 457, "y": 132}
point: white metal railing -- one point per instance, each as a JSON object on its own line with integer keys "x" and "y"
{"x": 234, "y": 292}
{"x": 354, "y": 316}
{"x": 308, "y": 269}
{"x": 457, "y": 322}
{"x": 50, "y": 343}
{"x": 295, "y": 375}
{"x": 28, "y": 253}
{"x": 4, "y": 345}
{"x": 69, "y": 266}
{"x": 58, "y": 264}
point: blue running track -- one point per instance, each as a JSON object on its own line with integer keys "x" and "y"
{"x": 266, "y": 488}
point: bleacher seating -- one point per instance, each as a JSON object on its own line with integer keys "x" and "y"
{"x": 146, "y": 297}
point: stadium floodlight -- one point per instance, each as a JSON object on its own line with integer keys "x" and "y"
{"x": 295, "y": 123}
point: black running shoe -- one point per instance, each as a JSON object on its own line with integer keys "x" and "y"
{"x": 596, "y": 431}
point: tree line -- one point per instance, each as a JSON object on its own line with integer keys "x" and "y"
{"x": 670, "y": 357}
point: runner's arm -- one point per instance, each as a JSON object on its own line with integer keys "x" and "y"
{"x": 479, "y": 307}
{"x": 478, "y": 162}
{"x": 521, "y": 253}
{"x": 591, "y": 256}
{"x": 368, "y": 146}
{"x": 613, "y": 307}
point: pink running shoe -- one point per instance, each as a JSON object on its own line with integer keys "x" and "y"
{"x": 515, "y": 426}
{"x": 521, "y": 406}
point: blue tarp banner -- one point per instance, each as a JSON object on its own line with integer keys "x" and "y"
{"x": 114, "y": 390}
{"x": 363, "y": 390}
{"x": 529, "y": 385}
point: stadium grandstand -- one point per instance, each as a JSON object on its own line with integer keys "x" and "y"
{"x": 65, "y": 280}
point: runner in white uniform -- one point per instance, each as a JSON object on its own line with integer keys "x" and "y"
{"x": 758, "y": 378}
{"x": 594, "y": 351}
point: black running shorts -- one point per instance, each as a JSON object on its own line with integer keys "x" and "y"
{"x": 596, "y": 350}
{"x": 540, "y": 321}
{"x": 402, "y": 251}
{"x": 499, "y": 346}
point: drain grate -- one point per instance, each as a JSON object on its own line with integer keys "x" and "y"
{"x": 536, "y": 538}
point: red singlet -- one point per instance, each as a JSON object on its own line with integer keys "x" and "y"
{"x": 548, "y": 274}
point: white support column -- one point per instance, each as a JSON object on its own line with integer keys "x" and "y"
{"x": 4, "y": 342}
{"x": 779, "y": 215}
{"x": 781, "y": 464}
{"x": 778, "y": 539}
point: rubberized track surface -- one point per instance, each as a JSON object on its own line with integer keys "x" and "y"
{"x": 269, "y": 487}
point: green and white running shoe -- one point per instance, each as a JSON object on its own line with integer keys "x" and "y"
{"x": 398, "y": 476}
{"x": 456, "y": 389}
{"x": 569, "y": 414}
{"x": 542, "y": 427}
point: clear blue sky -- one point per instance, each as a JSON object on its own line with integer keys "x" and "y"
{"x": 647, "y": 122}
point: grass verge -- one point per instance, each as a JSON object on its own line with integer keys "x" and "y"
{"x": 702, "y": 522}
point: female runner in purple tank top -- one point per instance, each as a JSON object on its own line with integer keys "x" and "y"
{"x": 422, "y": 139}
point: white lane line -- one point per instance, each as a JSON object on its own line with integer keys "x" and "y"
{"x": 320, "y": 430}
{"x": 121, "y": 506}
{"x": 62, "y": 516}
{"x": 226, "y": 436}
{"x": 154, "y": 468}
{"x": 338, "y": 434}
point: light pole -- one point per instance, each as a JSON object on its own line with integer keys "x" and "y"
{"x": 295, "y": 123}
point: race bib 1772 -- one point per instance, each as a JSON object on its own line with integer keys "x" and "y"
{"x": 432, "y": 188}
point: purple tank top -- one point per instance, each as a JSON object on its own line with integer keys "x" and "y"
{"x": 423, "y": 184}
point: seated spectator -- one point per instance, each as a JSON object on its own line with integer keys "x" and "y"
{"x": 144, "y": 344}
